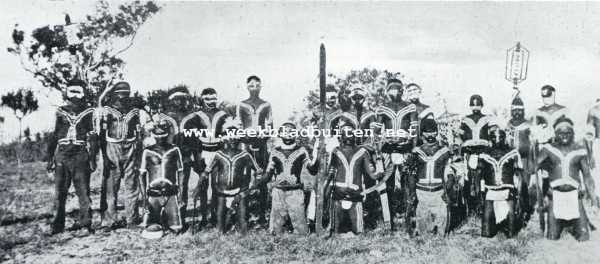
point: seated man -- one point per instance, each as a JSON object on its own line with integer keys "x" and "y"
{"x": 564, "y": 160}
{"x": 501, "y": 171}
{"x": 160, "y": 170}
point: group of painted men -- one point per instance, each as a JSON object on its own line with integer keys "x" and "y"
{"x": 494, "y": 172}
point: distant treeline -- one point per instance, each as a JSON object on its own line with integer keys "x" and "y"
{"x": 33, "y": 148}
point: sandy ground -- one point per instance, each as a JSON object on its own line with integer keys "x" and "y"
{"x": 26, "y": 207}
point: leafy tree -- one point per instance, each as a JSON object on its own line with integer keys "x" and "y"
{"x": 22, "y": 103}
{"x": 88, "y": 49}
{"x": 372, "y": 80}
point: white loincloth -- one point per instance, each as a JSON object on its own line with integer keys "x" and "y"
{"x": 473, "y": 160}
{"x": 431, "y": 211}
{"x": 565, "y": 205}
{"x": 499, "y": 199}
{"x": 312, "y": 206}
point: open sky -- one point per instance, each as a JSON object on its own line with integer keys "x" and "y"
{"x": 456, "y": 49}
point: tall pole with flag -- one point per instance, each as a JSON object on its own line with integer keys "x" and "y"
{"x": 321, "y": 176}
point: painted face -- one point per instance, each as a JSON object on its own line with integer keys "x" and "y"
{"x": 345, "y": 101}
{"x": 358, "y": 100}
{"x": 331, "y": 98}
{"x": 180, "y": 102}
{"x": 497, "y": 136}
{"x": 564, "y": 135}
{"x": 254, "y": 86}
{"x": 288, "y": 135}
{"x": 517, "y": 113}
{"x": 394, "y": 93}
{"x": 413, "y": 93}
{"x": 347, "y": 135}
{"x": 75, "y": 94}
{"x": 430, "y": 137}
{"x": 548, "y": 100}
{"x": 210, "y": 101}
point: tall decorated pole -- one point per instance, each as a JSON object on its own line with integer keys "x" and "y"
{"x": 517, "y": 61}
{"x": 321, "y": 176}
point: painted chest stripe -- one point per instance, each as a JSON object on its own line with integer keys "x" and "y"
{"x": 288, "y": 162}
{"x": 172, "y": 121}
{"x": 551, "y": 117}
{"x": 476, "y": 127}
{"x": 348, "y": 168}
{"x": 163, "y": 168}
{"x": 430, "y": 163}
{"x": 211, "y": 124}
{"x": 230, "y": 162}
{"x": 396, "y": 117}
{"x": 74, "y": 121}
{"x": 254, "y": 113}
{"x": 498, "y": 164}
{"x": 122, "y": 120}
{"x": 565, "y": 160}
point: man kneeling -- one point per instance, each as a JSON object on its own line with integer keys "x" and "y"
{"x": 501, "y": 176}
{"x": 563, "y": 189}
{"x": 159, "y": 174}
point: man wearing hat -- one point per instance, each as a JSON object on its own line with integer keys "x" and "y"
{"x": 120, "y": 131}
{"x": 431, "y": 160}
{"x": 501, "y": 173}
{"x": 231, "y": 178}
{"x": 256, "y": 114}
{"x": 160, "y": 170}
{"x": 284, "y": 172}
{"x": 72, "y": 151}
{"x": 564, "y": 160}
{"x": 546, "y": 115}
{"x": 397, "y": 121}
{"x": 519, "y": 137}
{"x": 474, "y": 132}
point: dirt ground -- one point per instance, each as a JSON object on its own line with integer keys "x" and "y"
{"x": 26, "y": 209}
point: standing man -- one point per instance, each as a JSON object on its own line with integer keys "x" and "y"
{"x": 398, "y": 121}
{"x": 231, "y": 179}
{"x": 474, "y": 132}
{"x": 208, "y": 127}
{"x": 431, "y": 159}
{"x": 72, "y": 153}
{"x": 542, "y": 133}
{"x": 593, "y": 141}
{"x": 546, "y": 115}
{"x": 256, "y": 114}
{"x": 519, "y": 137}
{"x": 413, "y": 94}
{"x": 349, "y": 163}
{"x": 120, "y": 129}
{"x": 564, "y": 160}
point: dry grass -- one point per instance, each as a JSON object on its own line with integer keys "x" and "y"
{"x": 23, "y": 240}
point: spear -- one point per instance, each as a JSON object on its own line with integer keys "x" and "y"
{"x": 322, "y": 159}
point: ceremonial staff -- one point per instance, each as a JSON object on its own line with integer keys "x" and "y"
{"x": 318, "y": 186}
